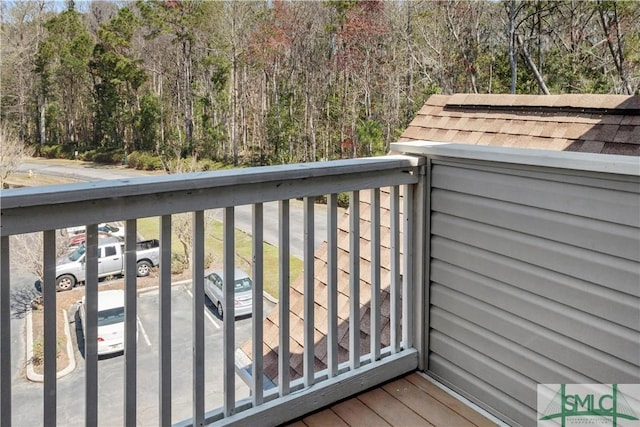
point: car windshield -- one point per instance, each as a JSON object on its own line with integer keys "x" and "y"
{"x": 111, "y": 316}
{"x": 77, "y": 254}
{"x": 243, "y": 285}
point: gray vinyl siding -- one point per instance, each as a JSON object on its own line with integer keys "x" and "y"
{"x": 534, "y": 278}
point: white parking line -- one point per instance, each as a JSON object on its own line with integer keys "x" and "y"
{"x": 144, "y": 333}
{"x": 206, "y": 312}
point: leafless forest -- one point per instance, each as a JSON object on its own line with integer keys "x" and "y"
{"x": 266, "y": 82}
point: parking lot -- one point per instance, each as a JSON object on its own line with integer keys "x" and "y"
{"x": 111, "y": 369}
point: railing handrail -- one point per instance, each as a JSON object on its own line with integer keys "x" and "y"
{"x": 32, "y": 209}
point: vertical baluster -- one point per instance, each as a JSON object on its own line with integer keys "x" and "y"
{"x": 258, "y": 304}
{"x": 228, "y": 292}
{"x": 354, "y": 280}
{"x": 407, "y": 268}
{"x": 375, "y": 275}
{"x": 198, "y": 317}
{"x": 165, "y": 321}
{"x": 49, "y": 291}
{"x": 91, "y": 328}
{"x": 283, "y": 354}
{"x": 309, "y": 298}
{"x": 332, "y": 284}
{"x": 131, "y": 323}
{"x": 394, "y": 296}
{"x": 5, "y": 333}
{"x": 422, "y": 205}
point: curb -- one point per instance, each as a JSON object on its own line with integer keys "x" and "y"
{"x": 270, "y": 297}
{"x": 31, "y": 374}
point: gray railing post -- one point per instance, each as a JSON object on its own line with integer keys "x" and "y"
{"x": 5, "y": 333}
{"x": 420, "y": 263}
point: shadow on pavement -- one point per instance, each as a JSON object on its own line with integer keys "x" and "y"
{"x": 21, "y": 300}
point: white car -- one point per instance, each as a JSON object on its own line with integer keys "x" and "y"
{"x": 243, "y": 285}
{"x": 110, "y": 321}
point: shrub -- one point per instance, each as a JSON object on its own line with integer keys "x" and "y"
{"x": 108, "y": 157}
{"x": 49, "y": 151}
{"x": 343, "y": 200}
{"x": 87, "y": 156}
{"x": 178, "y": 263}
{"x": 210, "y": 165}
{"x": 152, "y": 163}
{"x": 144, "y": 160}
{"x": 57, "y": 151}
{"x": 133, "y": 160}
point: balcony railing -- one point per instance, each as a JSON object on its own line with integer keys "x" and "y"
{"x": 506, "y": 269}
{"x": 47, "y": 209}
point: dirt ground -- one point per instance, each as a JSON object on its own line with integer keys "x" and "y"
{"x": 19, "y": 179}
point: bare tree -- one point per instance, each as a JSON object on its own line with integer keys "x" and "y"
{"x": 183, "y": 228}
{"x": 27, "y": 250}
{"x": 610, "y": 20}
{"x": 12, "y": 151}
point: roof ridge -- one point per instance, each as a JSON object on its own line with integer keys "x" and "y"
{"x": 587, "y": 101}
{"x": 541, "y": 108}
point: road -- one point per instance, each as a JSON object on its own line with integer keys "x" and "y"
{"x": 85, "y": 171}
{"x": 81, "y": 171}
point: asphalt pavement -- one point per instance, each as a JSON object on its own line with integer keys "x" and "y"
{"x": 27, "y": 401}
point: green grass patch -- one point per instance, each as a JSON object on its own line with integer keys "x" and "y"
{"x": 149, "y": 229}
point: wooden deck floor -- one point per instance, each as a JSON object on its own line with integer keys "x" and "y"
{"x": 409, "y": 401}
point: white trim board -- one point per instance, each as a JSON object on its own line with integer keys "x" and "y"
{"x": 593, "y": 162}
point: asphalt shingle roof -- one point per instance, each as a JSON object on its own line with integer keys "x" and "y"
{"x": 608, "y": 124}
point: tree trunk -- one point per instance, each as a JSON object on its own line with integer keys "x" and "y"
{"x": 188, "y": 95}
{"x": 617, "y": 50}
{"x": 42, "y": 129}
{"x": 532, "y": 65}
{"x": 234, "y": 109}
{"x": 512, "y": 54}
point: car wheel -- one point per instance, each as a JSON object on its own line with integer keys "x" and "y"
{"x": 65, "y": 282}
{"x": 220, "y": 309}
{"x": 144, "y": 267}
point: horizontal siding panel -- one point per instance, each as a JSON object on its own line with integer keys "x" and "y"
{"x": 493, "y": 399}
{"x": 600, "y": 236}
{"x": 611, "y": 181}
{"x": 619, "y": 207}
{"x": 606, "y": 270}
{"x": 509, "y": 353}
{"x": 598, "y": 365}
{"x": 594, "y": 331}
{"x": 600, "y": 301}
{"x": 485, "y": 368}
{"x": 534, "y": 278}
